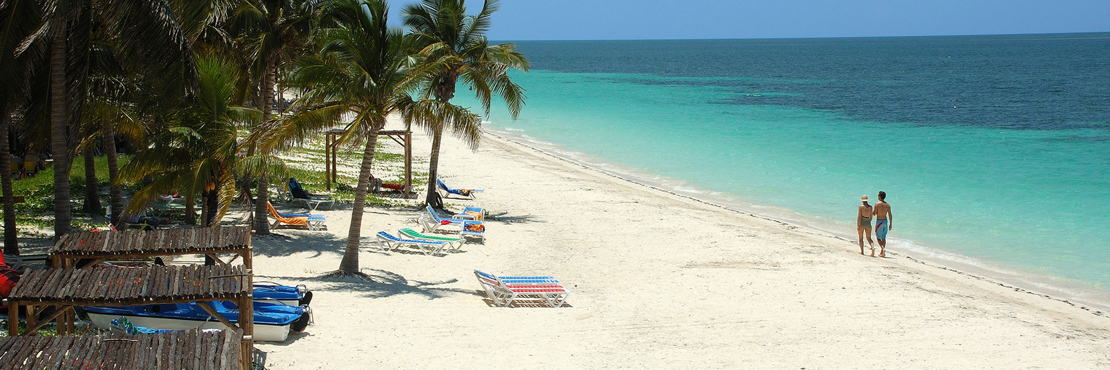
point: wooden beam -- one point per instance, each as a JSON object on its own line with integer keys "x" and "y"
{"x": 327, "y": 160}
{"x": 31, "y": 329}
{"x": 408, "y": 164}
{"x": 212, "y": 311}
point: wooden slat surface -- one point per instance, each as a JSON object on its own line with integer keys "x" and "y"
{"x": 130, "y": 285}
{"x": 155, "y": 242}
{"x": 191, "y": 349}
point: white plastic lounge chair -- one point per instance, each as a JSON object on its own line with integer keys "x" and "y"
{"x": 454, "y": 243}
{"x": 431, "y": 221}
{"x": 504, "y": 290}
{"x": 390, "y": 242}
{"x": 461, "y": 193}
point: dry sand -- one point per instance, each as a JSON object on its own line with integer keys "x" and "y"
{"x": 658, "y": 281}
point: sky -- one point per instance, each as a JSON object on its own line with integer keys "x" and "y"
{"x": 706, "y": 19}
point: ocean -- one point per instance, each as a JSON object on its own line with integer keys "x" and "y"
{"x": 994, "y": 150}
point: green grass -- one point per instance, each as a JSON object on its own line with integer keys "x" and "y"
{"x": 38, "y": 192}
{"x": 305, "y": 164}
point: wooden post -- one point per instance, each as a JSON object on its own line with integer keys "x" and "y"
{"x": 246, "y": 321}
{"x": 334, "y": 160}
{"x": 13, "y": 319}
{"x": 327, "y": 160}
{"x": 408, "y": 164}
{"x": 246, "y": 309}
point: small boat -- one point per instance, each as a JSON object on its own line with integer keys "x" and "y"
{"x": 272, "y": 321}
{"x": 294, "y": 296}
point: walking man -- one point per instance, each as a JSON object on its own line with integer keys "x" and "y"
{"x": 883, "y": 222}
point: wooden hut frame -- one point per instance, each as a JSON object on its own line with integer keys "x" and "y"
{"x": 331, "y": 146}
{"x": 66, "y": 287}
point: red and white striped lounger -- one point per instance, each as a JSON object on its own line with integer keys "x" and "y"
{"x": 504, "y": 290}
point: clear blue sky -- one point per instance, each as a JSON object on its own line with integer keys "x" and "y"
{"x": 705, "y": 19}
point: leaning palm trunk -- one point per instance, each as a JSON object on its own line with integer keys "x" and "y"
{"x": 58, "y": 135}
{"x": 433, "y": 167}
{"x": 10, "y": 240}
{"x": 349, "y": 264}
{"x": 115, "y": 194}
{"x": 444, "y": 92}
{"x": 92, "y": 198}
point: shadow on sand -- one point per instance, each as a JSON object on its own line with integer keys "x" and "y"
{"x": 381, "y": 284}
{"x": 280, "y": 244}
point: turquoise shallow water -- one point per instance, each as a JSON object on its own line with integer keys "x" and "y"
{"x": 1011, "y": 184}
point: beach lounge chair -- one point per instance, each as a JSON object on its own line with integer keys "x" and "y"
{"x": 431, "y": 221}
{"x": 378, "y": 185}
{"x": 390, "y": 242}
{"x": 503, "y": 291}
{"x": 461, "y": 193}
{"x": 454, "y": 243}
{"x": 310, "y": 201}
{"x": 311, "y": 222}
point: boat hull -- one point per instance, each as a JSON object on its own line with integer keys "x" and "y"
{"x": 262, "y": 332}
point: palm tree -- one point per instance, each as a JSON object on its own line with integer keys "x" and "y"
{"x": 455, "y": 47}
{"x": 274, "y": 32}
{"x": 19, "y": 20}
{"x": 198, "y": 152}
{"x": 149, "y": 35}
{"x": 365, "y": 69}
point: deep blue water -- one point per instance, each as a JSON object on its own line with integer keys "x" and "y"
{"x": 993, "y": 148}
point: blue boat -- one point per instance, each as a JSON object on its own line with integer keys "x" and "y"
{"x": 272, "y": 321}
{"x": 293, "y": 296}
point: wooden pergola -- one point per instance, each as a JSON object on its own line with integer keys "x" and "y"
{"x": 190, "y": 349}
{"x": 66, "y": 287}
{"x": 331, "y": 146}
{"x": 208, "y": 241}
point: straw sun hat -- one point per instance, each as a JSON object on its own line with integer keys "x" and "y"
{"x": 863, "y": 198}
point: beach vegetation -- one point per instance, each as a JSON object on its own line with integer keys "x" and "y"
{"x": 455, "y": 49}
{"x": 198, "y": 151}
{"x": 271, "y": 34}
{"x": 361, "y": 67}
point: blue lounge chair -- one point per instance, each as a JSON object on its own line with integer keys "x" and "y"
{"x": 431, "y": 221}
{"x": 463, "y": 193}
{"x": 390, "y": 242}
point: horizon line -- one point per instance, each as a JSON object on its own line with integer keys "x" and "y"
{"x": 817, "y": 37}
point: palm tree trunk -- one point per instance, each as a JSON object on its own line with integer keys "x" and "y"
{"x": 349, "y": 264}
{"x": 115, "y": 193}
{"x": 444, "y": 92}
{"x": 212, "y": 206}
{"x": 10, "y": 232}
{"x": 261, "y": 223}
{"x": 190, "y": 209}
{"x": 433, "y": 167}
{"x": 92, "y": 198}
{"x": 58, "y": 135}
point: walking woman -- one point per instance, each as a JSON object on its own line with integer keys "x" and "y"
{"x": 863, "y": 225}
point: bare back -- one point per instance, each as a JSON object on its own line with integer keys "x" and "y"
{"x": 865, "y": 211}
{"x": 882, "y": 209}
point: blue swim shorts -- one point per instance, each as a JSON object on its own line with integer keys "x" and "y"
{"x": 880, "y": 228}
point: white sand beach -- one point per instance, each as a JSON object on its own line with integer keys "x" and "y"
{"x": 657, "y": 281}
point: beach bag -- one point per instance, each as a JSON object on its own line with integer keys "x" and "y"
{"x": 8, "y": 278}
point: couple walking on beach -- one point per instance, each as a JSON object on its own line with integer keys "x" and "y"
{"x": 883, "y": 219}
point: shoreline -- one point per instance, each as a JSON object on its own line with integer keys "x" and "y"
{"x": 1019, "y": 278}
{"x": 658, "y": 279}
